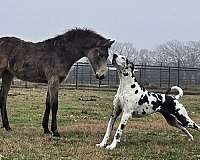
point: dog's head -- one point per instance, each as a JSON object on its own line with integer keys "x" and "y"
{"x": 123, "y": 64}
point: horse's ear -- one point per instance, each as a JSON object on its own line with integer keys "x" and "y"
{"x": 105, "y": 43}
{"x": 108, "y": 43}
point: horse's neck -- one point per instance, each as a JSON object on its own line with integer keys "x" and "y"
{"x": 66, "y": 51}
{"x": 72, "y": 57}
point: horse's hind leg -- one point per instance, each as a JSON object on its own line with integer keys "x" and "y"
{"x": 53, "y": 86}
{"x": 5, "y": 87}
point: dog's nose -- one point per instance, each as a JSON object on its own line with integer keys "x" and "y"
{"x": 114, "y": 57}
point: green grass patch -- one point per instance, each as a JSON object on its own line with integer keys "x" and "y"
{"x": 82, "y": 121}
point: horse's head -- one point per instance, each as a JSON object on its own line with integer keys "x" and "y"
{"x": 98, "y": 57}
{"x": 91, "y": 45}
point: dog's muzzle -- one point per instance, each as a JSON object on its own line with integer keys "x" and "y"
{"x": 114, "y": 59}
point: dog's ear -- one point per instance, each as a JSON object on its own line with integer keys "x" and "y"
{"x": 132, "y": 66}
{"x": 127, "y": 61}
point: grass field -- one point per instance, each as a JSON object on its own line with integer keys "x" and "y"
{"x": 82, "y": 120}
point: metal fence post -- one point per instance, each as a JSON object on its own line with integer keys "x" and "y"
{"x": 144, "y": 72}
{"x": 99, "y": 83}
{"x": 160, "y": 74}
{"x": 26, "y": 84}
{"x": 140, "y": 79}
{"x": 82, "y": 77}
{"x": 116, "y": 77}
{"x": 169, "y": 77}
{"x": 90, "y": 76}
{"x": 178, "y": 75}
{"x": 108, "y": 76}
{"x": 76, "y": 75}
{"x": 13, "y": 82}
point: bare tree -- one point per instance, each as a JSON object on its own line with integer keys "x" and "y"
{"x": 169, "y": 53}
{"x": 187, "y": 53}
{"x": 126, "y": 49}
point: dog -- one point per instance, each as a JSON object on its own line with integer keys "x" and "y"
{"x": 135, "y": 101}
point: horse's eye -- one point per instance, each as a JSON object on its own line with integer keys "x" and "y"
{"x": 101, "y": 55}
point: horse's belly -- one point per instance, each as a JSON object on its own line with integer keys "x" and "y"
{"x": 31, "y": 79}
{"x": 30, "y": 76}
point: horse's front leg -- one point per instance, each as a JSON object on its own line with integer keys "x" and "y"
{"x": 53, "y": 86}
{"x": 5, "y": 87}
{"x": 45, "y": 121}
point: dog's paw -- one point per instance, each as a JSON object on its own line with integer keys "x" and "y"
{"x": 111, "y": 147}
{"x": 190, "y": 139}
{"x": 101, "y": 145}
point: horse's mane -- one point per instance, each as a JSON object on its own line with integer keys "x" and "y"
{"x": 76, "y": 33}
{"x": 79, "y": 33}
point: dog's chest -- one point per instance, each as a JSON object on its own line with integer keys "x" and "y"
{"x": 135, "y": 101}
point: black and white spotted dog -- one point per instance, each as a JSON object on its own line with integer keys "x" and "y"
{"x": 135, "y": 101}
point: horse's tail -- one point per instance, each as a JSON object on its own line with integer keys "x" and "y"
{"x": 180, "y": 91}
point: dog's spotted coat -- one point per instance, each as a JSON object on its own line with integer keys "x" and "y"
{"x": 135, "y": 101}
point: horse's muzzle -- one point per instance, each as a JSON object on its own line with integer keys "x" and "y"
{"x": 100, "y": 77}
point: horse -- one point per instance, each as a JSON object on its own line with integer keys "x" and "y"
{"x": 49, "y": 62}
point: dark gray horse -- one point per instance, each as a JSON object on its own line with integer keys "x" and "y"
{"x": 49, "y": 62}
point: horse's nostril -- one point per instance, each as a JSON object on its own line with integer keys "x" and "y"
{"x": 100, "y": 77}
{"x": 97, "y": 76}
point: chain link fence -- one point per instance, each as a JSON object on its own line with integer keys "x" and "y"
{"x": 155, "y": 77}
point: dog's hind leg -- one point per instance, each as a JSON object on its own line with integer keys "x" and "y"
{"x": 185, "y": 120}
{"x": 193, "y": 125}
{"x": 115, "y": 113}
{"x": 186, "y": 132}
{"x": 120, "y": 129}
{"x": 171, "y": 120}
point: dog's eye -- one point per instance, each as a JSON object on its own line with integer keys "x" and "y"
{"x": 123, "y": 58}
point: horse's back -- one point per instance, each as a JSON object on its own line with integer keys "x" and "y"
{"x": 7, "y": 45}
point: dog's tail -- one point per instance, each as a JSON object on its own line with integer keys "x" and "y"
{"x": 180, "y": 91}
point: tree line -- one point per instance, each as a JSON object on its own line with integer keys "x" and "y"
{"x": 169, "y": 53}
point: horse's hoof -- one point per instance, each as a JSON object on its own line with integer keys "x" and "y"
{"x": 8, "y": 128}
{"x": 56, "y": 135}
{"x": 46, "y": 132}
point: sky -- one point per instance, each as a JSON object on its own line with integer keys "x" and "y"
{"x": 145, "y": 23}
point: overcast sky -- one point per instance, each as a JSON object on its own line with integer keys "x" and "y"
{"x": 145, "y": 23}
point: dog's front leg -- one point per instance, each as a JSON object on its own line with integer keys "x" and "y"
{"x": 119, "y": 131}
{"x": 115, "y": 113}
